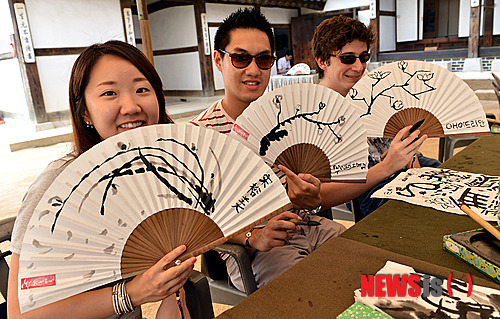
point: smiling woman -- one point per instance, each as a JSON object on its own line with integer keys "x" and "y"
{"x": 118, "y": 98}
{"x": 113, "y": 88}
{"x": 138, "y": 66}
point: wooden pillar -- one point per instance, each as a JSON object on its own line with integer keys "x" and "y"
{"x": 204, "y": 52}
{"x": 475, "y": 19}
{"x": 29, "y": 75}
{"x": 488, "y": 22}
{"x": 147, "y": 47}
{"x": 375, "y": 25}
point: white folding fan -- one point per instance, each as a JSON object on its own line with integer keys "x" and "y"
{"x": 121, "y": 206}
{"x": 307, "y": 128}
{"x": 299, "y": 68}
{"x": 402, "y": 93}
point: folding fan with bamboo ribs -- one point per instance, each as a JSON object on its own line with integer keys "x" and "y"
{"x": 309, "y": 129}
{"x": 121, "y": 206}
{"x": 402, "y": 93}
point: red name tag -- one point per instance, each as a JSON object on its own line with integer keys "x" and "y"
{"x": 240, "y": 131}
{"x": 37, "y": 282}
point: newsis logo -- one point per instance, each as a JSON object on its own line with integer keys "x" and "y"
{"x": 410, "y": 285}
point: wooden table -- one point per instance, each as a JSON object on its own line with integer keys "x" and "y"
{"x": 323, "y": 284}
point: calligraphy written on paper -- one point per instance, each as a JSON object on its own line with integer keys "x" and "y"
{"x": 253, "y": 190}
{"x": 345, "y": 167}
{"x": 443, "y": 189}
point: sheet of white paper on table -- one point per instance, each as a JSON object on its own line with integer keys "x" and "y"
{"x": 442, "y": 189}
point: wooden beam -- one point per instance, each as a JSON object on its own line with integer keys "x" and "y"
{"x": 29, "y": 75}
{"x": 375, "y": 24}
{"x": 387, "y": 13}
{"x": 147, "y": 47}
{"x": 59, "y": 51}
{"x": 475, "y": 19}
{"x": 489, "y": 6}
{"x": 317, "y": 5}
{"x": 176, "y": 51}
{"x": 164, "y": 4}
{"x": 206, "y": 69}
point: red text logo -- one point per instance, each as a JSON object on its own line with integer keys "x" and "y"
{"x": 240, "y": 131}
{"x": 37, "y": 282}
{"x": 412, "y": 285}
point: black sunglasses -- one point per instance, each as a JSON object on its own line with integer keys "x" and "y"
{"x": 242, "y": 60}
{"x": 351, "y": 59}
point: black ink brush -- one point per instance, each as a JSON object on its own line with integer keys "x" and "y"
{"x": 304, "y": 222}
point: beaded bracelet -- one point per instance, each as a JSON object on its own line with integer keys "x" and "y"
{"x": 179, "y": 304}
{"x": 121, "y": 299}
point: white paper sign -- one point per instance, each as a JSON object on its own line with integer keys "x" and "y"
{"x": 373, "y": 9}
{"x": 442, "y": 189}
{"x": 474, "y": 3}
{"x": 206, "y": 36}
{"x": 24, "y": 33}
{"x": 129, "y": 25}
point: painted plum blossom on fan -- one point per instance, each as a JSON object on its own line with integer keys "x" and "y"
{"x": 388, "y": 91}
{"x": 400, "y": 94}
{"x": 279, "y": 131}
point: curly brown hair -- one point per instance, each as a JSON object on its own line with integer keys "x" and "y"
{"x": 332, "y": 34}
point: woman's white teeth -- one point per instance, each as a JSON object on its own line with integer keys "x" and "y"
{"x": 131, "y": 125}
{"x": 251, "y": 83}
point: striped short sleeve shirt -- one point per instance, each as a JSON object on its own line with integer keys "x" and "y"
{"x": 215, "y": 118}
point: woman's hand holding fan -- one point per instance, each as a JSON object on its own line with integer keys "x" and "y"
{"x": 154, "y": 284}
{"x": 118, "y": 209}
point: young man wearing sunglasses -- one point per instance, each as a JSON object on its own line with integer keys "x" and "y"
{"x": 341, "y": 48}
{"x": 243, "y": 52}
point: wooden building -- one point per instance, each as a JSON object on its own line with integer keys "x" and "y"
{"x": 433, "y": 30}
{"x": 48, "y": 35}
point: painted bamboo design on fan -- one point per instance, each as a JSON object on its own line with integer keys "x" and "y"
{"x": 143, "y": 163}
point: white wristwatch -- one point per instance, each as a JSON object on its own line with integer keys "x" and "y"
{"x": 314, "y": 211}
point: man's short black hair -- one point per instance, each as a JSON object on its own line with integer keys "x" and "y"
{"x": 289, "y": 52}
{"x": 242, "y": 19}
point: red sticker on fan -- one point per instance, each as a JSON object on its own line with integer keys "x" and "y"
{"x": 37, "y": 282}
{"x": 240, "y": 131}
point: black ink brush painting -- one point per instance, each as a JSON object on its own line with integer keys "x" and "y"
{"x": 401, "y": 93}
{"x": 122, "y": 205}
{"x": 307, "y": 128}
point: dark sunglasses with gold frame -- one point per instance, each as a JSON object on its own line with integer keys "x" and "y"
{"x": 242, "y": 60}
